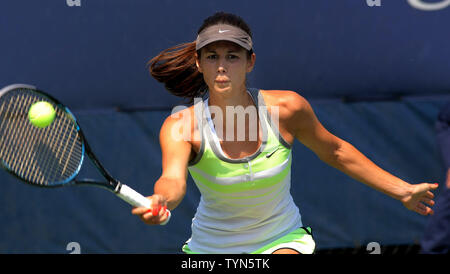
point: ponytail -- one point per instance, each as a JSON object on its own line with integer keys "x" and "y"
{"x": 176, "y": 68}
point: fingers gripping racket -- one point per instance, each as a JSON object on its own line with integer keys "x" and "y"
{"x": 50, "y": 156}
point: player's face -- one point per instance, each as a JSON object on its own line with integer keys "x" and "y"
{"x": 224, "y": 66}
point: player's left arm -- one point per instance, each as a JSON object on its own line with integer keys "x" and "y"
{"x": 303, "y": 124}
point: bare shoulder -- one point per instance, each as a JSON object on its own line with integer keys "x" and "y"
{"x": 288, "y": 101}
{"x": 180, "y": 124}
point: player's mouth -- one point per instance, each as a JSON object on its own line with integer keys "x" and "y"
{"x": 222, "y": 81}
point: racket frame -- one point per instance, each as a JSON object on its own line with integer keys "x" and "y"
{"x": 123, "y": 191}
{"x": 112, "y": 183}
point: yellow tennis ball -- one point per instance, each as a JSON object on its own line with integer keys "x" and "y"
{"x": 41, "y": 114}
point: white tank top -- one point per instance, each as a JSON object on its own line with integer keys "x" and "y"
{"x": 245, "y": 203}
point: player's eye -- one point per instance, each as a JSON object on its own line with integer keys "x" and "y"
{"x": 211, "y": 57}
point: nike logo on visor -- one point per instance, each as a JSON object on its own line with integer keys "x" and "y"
{"x": 222, "y": 31}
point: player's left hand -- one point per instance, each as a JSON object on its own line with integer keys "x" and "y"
{"x": 420, "y": 198}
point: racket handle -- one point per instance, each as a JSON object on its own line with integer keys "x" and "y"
{"x": 136, "y": 199}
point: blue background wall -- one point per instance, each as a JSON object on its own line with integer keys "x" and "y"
{"x": 375, "y": 76}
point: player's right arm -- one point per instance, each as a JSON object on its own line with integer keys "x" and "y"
{"x": 170, "y": 188}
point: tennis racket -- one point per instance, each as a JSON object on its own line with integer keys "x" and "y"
{"x": 51, "y": 156}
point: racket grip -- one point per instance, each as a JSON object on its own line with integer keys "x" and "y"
{"x": 136, "y": 199}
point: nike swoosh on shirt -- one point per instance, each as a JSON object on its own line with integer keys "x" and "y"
{"x": 271, "y": 153}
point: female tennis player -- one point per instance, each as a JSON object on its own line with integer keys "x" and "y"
{"x": 244, "y": 179}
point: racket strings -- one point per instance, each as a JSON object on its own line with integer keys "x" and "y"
{"x": 18, "y": 141}
{"x": 43, "y": 156}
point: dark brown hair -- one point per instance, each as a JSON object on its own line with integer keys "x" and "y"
{"x": 176, "y": 68}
